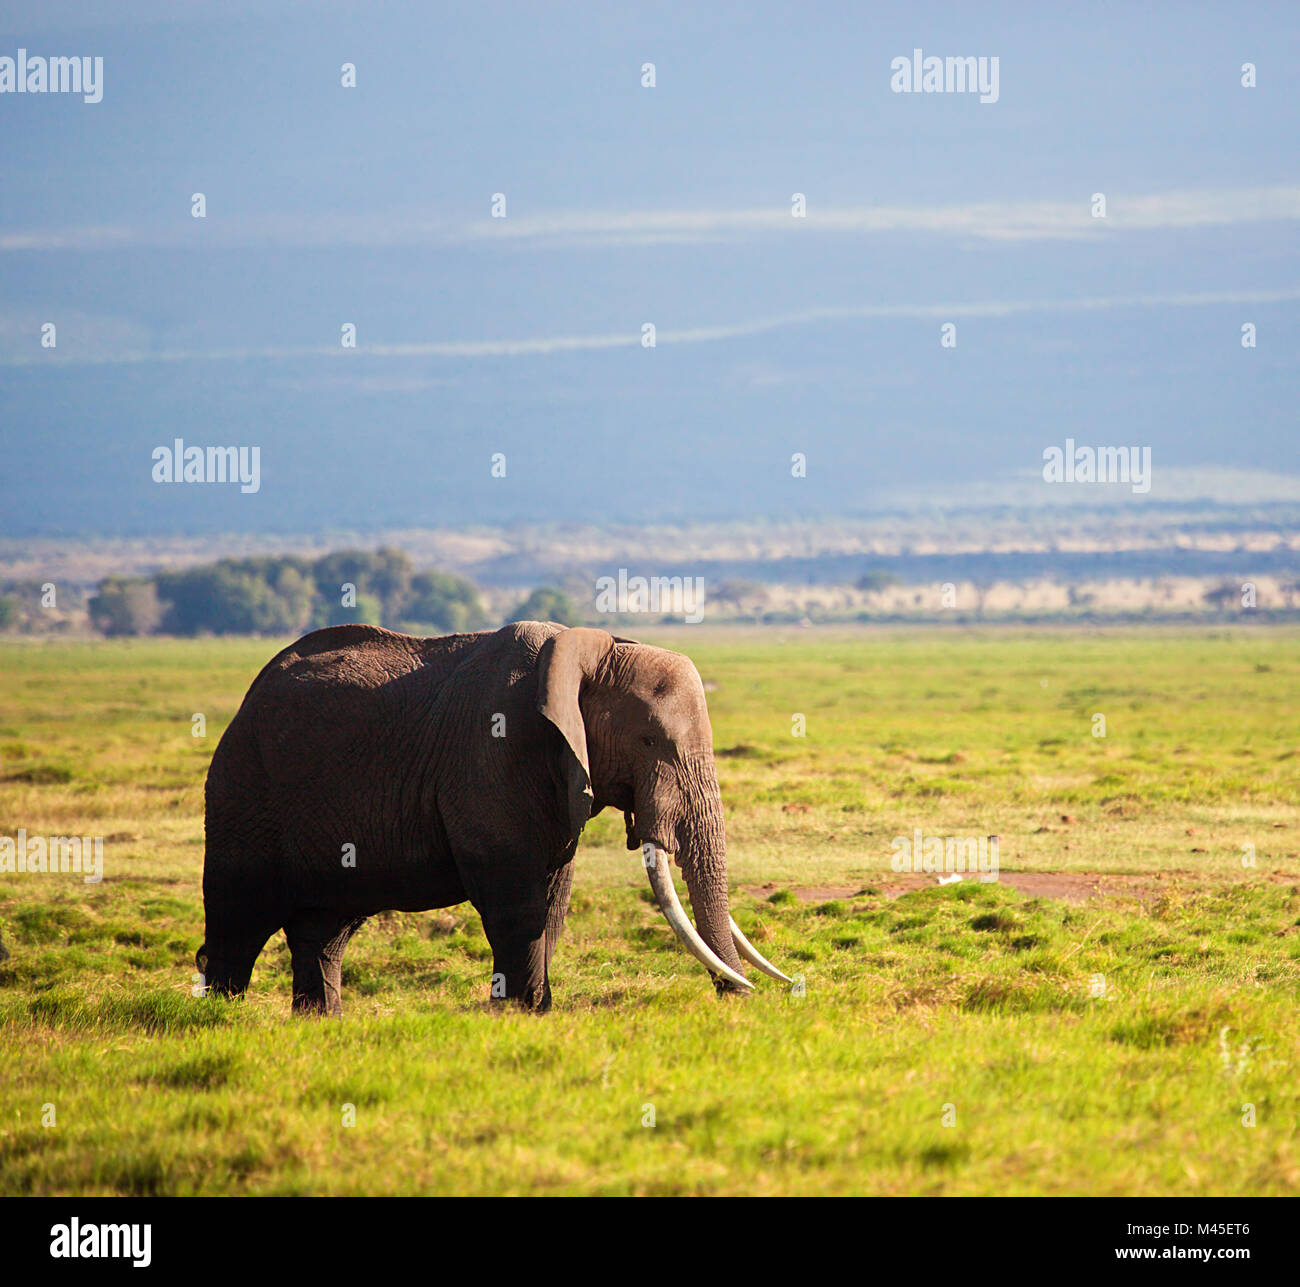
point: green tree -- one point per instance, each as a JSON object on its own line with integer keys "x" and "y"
{"x": 439, "y": 601}
{"x": 1223, "y": 597}
{"x": 125, "y": 607}
{"x": 877, "y": 580}
{"x": 287, "y": 595}
{"x": 230, "y": 598}
{"x": 385, "y": 575}
{"x": 367, "y": 611}
{"x": 547, "y": 603}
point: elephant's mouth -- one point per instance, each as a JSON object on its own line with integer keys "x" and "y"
{"x": 638, "y": 837}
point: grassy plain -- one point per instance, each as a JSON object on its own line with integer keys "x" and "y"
{"x": 960, "y": 1039}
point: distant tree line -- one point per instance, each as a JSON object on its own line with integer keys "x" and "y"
{"x": 290, "y": 594}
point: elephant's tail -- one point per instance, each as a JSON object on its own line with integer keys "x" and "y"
{"x": 201, "y": 958}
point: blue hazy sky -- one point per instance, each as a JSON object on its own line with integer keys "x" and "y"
{"x": 627, "y": 205}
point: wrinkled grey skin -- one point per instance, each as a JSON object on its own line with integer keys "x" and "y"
{"x": 358, "y": 736}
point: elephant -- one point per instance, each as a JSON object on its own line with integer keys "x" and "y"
{"x": 369, "y": 771}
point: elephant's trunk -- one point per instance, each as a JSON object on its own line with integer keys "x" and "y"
{"x": 695, "y": 830}
{"x": 702, "y": 854}
{"x": 661, "y": 881}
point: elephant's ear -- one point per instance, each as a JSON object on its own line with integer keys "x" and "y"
{"x": 565, "y": 661}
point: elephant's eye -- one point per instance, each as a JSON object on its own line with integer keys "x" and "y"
{"x": 648, "y": 740}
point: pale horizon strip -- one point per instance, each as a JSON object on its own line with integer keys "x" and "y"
{"x": 992, "y": 220}
{"x": 543, "y": 346}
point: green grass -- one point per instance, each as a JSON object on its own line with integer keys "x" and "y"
{"x": 1107, "y": 1046}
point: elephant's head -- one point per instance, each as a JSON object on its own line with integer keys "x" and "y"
{"x": 637, "y": 737}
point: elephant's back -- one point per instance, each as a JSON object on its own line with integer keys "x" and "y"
{"x": 356, "y": 705}
{"x": 370, "y": 655}
{"x": 357, "y": 655}
{"x": 342, "y": 690}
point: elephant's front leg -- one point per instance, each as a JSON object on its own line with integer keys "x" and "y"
{"x": 523, "y": 913}
{"x": 517, "y": 932}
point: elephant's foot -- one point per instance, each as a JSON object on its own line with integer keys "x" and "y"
{"x": 532, "y": 1000}
{"x": 316, "y": 943}
{"x": 724, "y": 988}
{"x": 315, "y": 1007}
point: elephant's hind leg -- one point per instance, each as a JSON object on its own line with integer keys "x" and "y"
{"x": 316, "y": 943}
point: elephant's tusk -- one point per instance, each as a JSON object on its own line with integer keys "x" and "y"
{"x": 661, "y": 881}
{"x": 753, "y": 955}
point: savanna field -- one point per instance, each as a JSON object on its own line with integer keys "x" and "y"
{"x": 1107, "y": 1018}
